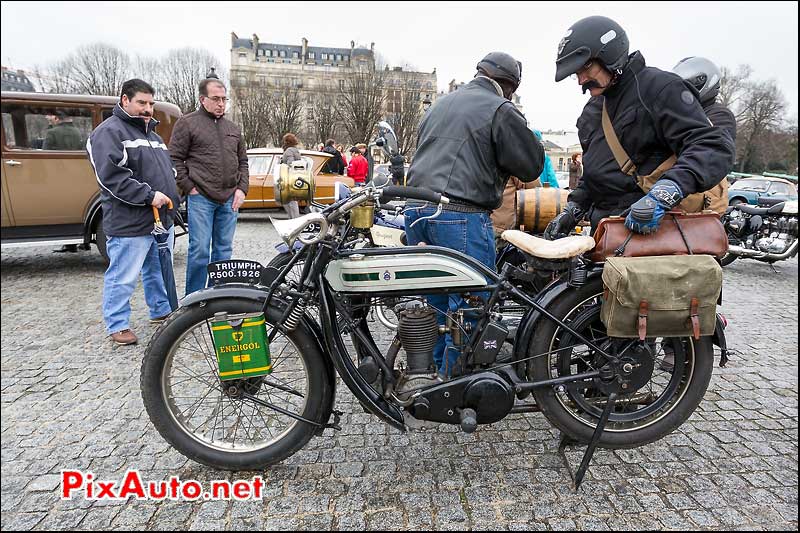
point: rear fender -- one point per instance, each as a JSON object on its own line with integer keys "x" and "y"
{"x": 530, "y": 321}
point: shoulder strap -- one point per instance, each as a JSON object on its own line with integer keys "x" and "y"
{"x": 624, "y": 162}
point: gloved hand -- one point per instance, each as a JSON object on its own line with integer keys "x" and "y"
{"x": 646, "y": 214}
{"x": 564, "y": 222}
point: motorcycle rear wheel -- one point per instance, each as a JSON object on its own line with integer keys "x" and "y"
{"x": 195, "y": 412}
{"x": 646, "y": 415}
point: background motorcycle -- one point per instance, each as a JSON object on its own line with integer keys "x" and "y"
{"x": 767, "y": 234}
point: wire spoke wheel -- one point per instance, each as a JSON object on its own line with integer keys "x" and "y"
{"x": 216, "y": 413}
{"x": 241, "y": 423}
{"x": 669, "y": 378}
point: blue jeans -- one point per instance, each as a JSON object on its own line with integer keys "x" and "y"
{"x": 130, "y": 256}
{"x": 211, "y": 227}
{"x": 469, "y": 233}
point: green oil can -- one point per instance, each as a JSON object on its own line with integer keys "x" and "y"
{"x": 241, "y": 345}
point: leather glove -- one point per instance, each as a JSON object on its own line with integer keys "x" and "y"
{"x": 564, "y": 223}
{"x": 646, "y": 214}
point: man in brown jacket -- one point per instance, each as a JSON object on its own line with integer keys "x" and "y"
{"x": 211, "y": 169}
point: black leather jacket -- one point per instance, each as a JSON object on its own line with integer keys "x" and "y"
{"x": 470, "y": 142}
{"x": 654, "y": 115}
{"x": 721, "y": 117}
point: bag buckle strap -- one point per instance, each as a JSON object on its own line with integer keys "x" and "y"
{"x": 642, "y": 320}
{"x": 695, "y": 319}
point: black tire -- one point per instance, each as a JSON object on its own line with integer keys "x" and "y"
{"x": 576, "y": 411}
{"x": 301, "y": 370}
{"x": 728, "y": 258}
{"x": 280, "y": 260}
{"x": 100, "y": 241}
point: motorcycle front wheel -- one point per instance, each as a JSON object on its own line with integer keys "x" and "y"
{"x": 679, "y": 373}
{"x": 216, "y": 422}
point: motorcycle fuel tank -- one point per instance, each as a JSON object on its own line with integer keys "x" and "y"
{"x": 402, "y": 272}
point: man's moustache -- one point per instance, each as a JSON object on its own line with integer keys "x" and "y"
{"x": 592, "y": 84}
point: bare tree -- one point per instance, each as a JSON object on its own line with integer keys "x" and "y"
{"x": 733, "y": 86}
{"x": 56, "y": 78}
{"x": 360, "y": 101}
{"x": 405, "y": 114}
{"x": 149, "y": 69}
{"x": 284, "y": 112}
{"x": 252, "y": 111}
{"x": 99, "y": 69}
{"x": 181, "y": 71}
{"x": 323, "y": 118}
{"x": 762, "y": 111}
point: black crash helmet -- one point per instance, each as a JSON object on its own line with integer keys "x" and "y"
{"x": 592, "y": 38}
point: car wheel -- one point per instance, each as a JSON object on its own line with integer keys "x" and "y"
{"x": 736, "y": 201}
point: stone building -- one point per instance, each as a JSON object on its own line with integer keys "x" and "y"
{"x": 319, "y": 70}
{"x": 454, "y": 86}
{"x": 15, "y": 80}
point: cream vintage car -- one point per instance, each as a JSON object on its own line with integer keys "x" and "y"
{"x": 262, "y": 162}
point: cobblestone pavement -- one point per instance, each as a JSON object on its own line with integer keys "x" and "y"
{"x": 70, "y": 400}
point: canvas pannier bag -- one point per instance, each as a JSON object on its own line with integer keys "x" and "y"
{"x": 714, "y": 199}
{"x": 664, "y": 296}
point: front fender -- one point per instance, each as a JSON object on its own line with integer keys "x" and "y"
{"x": 259, "y": 294}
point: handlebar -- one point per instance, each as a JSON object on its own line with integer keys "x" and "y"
{"x": 412, "y": 193}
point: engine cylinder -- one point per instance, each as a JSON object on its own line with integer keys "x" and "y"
{"x": 418, "y": 332}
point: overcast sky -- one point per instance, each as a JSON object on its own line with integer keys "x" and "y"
{"x": 448, "y": 36}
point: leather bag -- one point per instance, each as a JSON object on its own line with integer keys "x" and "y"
{"x": 678, "y": 234}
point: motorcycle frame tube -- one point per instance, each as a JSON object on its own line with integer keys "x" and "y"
{"x": 339, "y": 355}
{"x": 531, "y": 318}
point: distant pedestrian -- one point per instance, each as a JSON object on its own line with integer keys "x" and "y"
{"x": 334, "y": 165}
{"x": 358, "y": 167}
{"x": 290, "y": 154}
{"x": 575, "y": 171}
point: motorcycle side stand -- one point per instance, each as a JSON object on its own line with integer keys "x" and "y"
{"x": 577, "y": 477}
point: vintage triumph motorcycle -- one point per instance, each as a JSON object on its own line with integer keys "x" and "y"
{"x": 767, "y": 234}
{"x": 607, "y": 392}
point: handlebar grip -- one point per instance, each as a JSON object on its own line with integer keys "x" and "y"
{"x": 413, "y": 193}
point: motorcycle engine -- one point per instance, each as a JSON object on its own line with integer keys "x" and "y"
{"x": 736, "y": 223}
{"x": 418, "y": 333}
{"x": 778, "y": 233}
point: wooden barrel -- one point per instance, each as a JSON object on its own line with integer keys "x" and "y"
{"x": 537, "y": 207}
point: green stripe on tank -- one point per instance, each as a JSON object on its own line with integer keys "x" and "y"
{"x": 415, "y": 274}
{"x": 369, "y": 276}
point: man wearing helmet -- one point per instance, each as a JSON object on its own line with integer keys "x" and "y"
{"x": 470, "y": 142}
{"x": 705, "y": 76}
{"x": 661, "y": 133}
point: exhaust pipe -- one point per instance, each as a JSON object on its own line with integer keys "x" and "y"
{"x": 755, "y": 254}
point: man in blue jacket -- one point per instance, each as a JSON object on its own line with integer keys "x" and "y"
{"x": 135, "y": 174}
